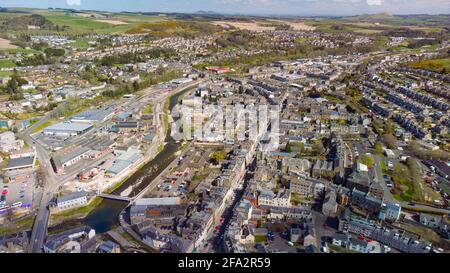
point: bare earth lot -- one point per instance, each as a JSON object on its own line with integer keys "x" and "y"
{"x": 113, "y": 22}
{"x": 6, "y": 44}
{"x": 259, "y": 26}
{"x": 252, "y": 26}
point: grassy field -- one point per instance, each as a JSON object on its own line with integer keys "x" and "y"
{"x": 81, "y": 42}
{"x": 20, "y": 50}
{"x": 5, "y": 73}
{"x": 4, "y": 63}
{"x": 77, "y": 24}
{"x": 409, "y": 187}
{"x": 437, "y": 65}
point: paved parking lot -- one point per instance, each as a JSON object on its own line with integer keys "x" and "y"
{"x": 20, "y": 190}
{"x": 324, "y": 226}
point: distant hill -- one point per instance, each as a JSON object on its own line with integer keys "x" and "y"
{"x": 372, "y": 17}
{"x": 206, "y": 12}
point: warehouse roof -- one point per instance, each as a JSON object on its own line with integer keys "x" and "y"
{"x": 92, "y": 115}
{"x": 72, "y": 196}
{"x": 20, "y": 162}
{"x": 69, "y": 126}
{"x": 66, "y": 157}
{"x": 157, "y": 201}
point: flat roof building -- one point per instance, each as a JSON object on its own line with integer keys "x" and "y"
{"x": 67, "y": 129}
{"x": 93, "y": 115}
{"x": 124, "y": 161}
{"x": 20, "y": 163}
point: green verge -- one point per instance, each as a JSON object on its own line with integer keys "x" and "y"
{"x": 24, "y": 223}
{"x": 77, "y": 212}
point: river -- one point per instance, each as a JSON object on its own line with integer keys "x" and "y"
{"x": 105, "y": 216}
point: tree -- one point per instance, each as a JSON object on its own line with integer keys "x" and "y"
{"x": 367, "y": 160}
{"x": 378, "y": 148}
{"x": 54, "y": 52}
{"x": 390, "y": 141}
{"x": 217, "y": 156}
{"x": 288, "y": 148}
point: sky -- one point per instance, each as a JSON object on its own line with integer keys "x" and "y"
{"x": 254, "y": 7}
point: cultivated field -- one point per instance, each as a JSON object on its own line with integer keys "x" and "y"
{"x": 252, "y": 26}
{"x": 6, "y": 44}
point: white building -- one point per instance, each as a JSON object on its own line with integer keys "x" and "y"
{"x": 269, "y": 198}
{"x": 70, "y": 201}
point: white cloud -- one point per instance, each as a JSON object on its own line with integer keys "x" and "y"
{"x": 374, "y": 2}
{"x": 73, "y": 2}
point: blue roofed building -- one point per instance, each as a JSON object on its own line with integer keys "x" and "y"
{"x": 124, "y": 162}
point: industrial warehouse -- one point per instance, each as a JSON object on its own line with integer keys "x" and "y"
{"x": 67, "y": 129}
{"x": 93, "y": 115}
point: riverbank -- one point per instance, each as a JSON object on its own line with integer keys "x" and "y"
{"x": 102, "y": 214}
{"x": 76, "y": 213}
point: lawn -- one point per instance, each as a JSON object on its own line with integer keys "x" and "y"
{"x": 5, "y": 73}
{"x": 260, "y": 239}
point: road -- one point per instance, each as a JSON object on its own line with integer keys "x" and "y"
{"x": 49, "y": 181}
{"x": 216, "y": 244}
{"x": 52, "y": 183}
{"x": 380, "y": 179}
